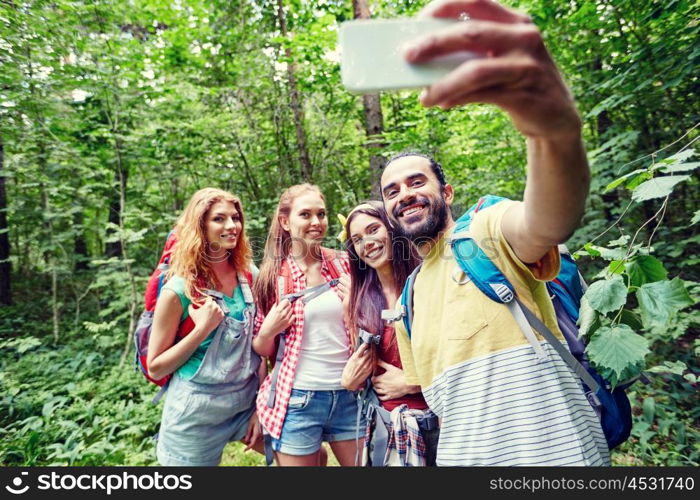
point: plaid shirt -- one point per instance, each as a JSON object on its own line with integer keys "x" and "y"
{"x": 405, "y": 446}
{"x": 273, "y": 418}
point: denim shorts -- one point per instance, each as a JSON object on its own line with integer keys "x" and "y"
{"x": 316, "y": 416}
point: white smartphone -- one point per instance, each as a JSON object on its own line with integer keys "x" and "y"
{"x": 372, "y": 54}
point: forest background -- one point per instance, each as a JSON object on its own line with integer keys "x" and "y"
{"x": 112, "y": 113}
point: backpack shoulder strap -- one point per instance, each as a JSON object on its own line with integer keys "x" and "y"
{"x": 472, "y": 260}
{"x": 245, "y": 279}
{"x": 407, "y": 300}
{"x": 285, "y": 284}
{"x": 284, "y": 287}
{"x": 332, "y": 259}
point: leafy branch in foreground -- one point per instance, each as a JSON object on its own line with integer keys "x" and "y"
{"x": 632, "y": 302}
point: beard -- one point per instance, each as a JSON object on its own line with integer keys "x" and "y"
{"x": 435, "y": 222}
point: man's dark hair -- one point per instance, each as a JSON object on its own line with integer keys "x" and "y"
{"x": 434, "y": 166}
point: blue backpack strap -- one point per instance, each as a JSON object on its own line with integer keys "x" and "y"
{"x": 568, "y": 286}
{"x": 407, "y": 300}
{"x": 473, "y": 262}
{"x": 478, "y": 268}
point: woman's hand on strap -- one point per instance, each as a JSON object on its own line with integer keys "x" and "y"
{"x": 357, "y": 369}
{"x": 344, "y": 287}
{"x": 280, "y": 317}
{"x": 206, "y": 317}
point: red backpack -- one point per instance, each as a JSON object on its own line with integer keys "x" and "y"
{"x": 142, "y": 332}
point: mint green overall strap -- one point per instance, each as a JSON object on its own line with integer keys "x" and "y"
{"x": 531, "y": 320}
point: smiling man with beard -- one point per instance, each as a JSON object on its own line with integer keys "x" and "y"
{"x": 500, "y": 403}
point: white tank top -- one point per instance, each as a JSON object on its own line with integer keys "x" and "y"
{"x": 324, "y": 346}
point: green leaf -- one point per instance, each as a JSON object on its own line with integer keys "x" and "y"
{"x": 676, "y": 367}
{"x": 617, "y": 348}
{"x": 622, "y": 179}
{"x": 620, "y": 242}
{"x": 638, "y": 179}
{"x": 587, "y": 318}
{"x": 605, "y": 253}
{"x": 632, "y": 320}
{"x": 657, "y": 188}
{"x": 681, "y": 167}
{"x": 680, "y": 156}
{"x": 590, "y": 250}
{"x": 645, "y": 269}
{"x": 696, "y": 218}
{"x": 607, "y": 295}
{"x": 21, "y": 344}
{"x": 616, "y": 267}
{"x": 649, "y": 408}
{"x": 660, "y": 301}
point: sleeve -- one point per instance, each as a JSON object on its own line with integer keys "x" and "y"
{"x": 405, "y": 352}
{"x": 176, "y": 284}
{"x": 259, "y": 318}
{"x": 255, "y": 271}
{"x": 487, "y": 232}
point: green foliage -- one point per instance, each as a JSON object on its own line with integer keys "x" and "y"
{"x": 660, "y": 301}
{"x": 88, "y": 411}
{"x": 112, "y": 114}
{"x": 607, "y": 295}
{"x": 617, "y": 348}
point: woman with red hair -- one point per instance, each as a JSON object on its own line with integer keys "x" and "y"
{"x": 211, "y": 396}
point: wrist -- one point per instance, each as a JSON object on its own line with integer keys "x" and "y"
{"x": 412, "y": 389}
{"x": 267, "y": 333}
{"x": 200, "y": 332}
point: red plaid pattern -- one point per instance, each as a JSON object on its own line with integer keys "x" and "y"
{"x": 273, "y": 418}
{"x": 405, "y": 446}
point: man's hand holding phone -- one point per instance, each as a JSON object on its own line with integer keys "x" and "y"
{"x": 517, "y": 73}
{"x": 503, "y": 61}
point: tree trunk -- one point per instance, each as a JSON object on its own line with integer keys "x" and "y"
{"x": 80, "y": 249}
{"x": 5, "y": 268}
{"x": 114, "y": 248}
{"x": 295, "y": 102}
{"x": 374, "y": 120}
{"x": 603, "y": 123}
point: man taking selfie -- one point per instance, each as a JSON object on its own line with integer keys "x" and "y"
{"x": 502, "y": 399}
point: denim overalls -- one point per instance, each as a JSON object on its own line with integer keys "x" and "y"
{"x": 204, "y": 413}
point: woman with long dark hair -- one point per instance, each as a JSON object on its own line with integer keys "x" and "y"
{"x": 380, "y": 263}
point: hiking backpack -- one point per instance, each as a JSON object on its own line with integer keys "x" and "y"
{"x": 142, "y": 332}
{"x": 611, "y": 405}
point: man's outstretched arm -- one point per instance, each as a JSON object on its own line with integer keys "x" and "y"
{"x": 518, "y": 75}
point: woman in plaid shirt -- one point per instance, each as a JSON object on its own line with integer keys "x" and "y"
{"x": 303, "y": 403}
